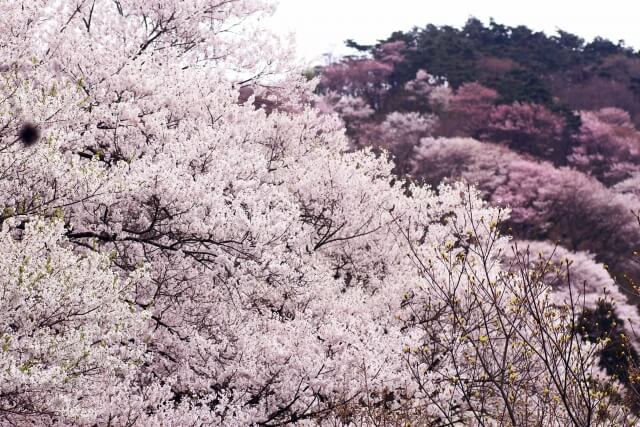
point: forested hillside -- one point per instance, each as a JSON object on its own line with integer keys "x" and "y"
{"x": 546, "y": 125}
{"x": 560, "y": 70}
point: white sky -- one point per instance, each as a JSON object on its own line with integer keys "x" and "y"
{"x": 321, "y": 26}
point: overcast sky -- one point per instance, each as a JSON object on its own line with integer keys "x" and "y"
{"x": 321, "y": 26}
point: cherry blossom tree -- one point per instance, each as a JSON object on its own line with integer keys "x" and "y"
{"x": 609, "y": 145}
{"x": 528, "y": 128}
{"x": 469, "y": 110}
{"x": 427, "y": 93}
{"x": 391, "y": 52}
{"x": 559, "y": 204}
{"x": 358, "y": 77}
{"x": 71, "y": 343}
{"x": 400, "y": 133}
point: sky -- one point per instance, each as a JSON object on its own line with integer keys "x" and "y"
{"x": 321, "y": 26}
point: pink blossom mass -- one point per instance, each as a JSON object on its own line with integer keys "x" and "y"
{"x": 196, "y": 232}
